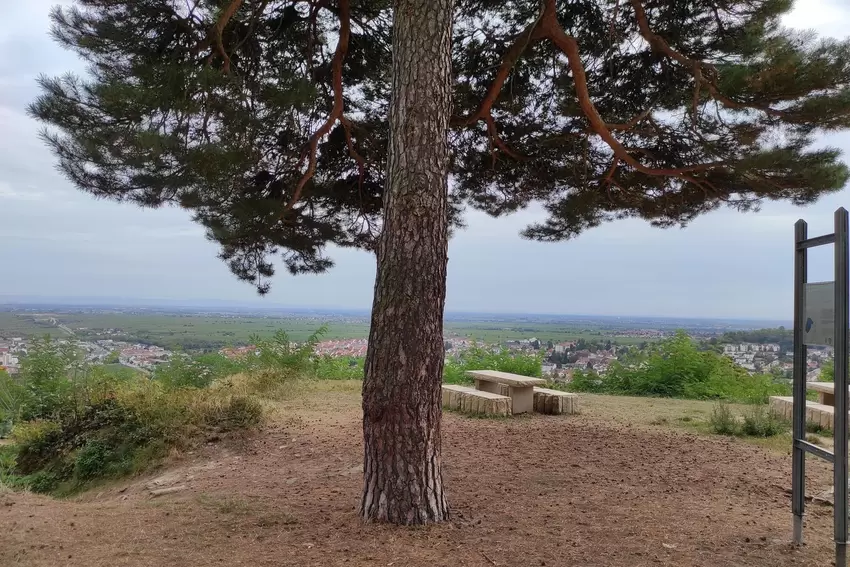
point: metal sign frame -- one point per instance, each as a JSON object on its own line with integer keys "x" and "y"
{"x": 842, "y": 321}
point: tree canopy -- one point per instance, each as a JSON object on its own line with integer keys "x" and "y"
{"x": 267, "y": 119}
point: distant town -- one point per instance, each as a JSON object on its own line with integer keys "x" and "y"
{"x": 559, "y": 360}
{"x": 143, "y": 338}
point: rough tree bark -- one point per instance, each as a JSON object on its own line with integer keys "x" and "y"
{"x": 401, "y": 393}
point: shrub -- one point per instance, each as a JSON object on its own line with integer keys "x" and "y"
{"x": 240, "y": 413}
{"x": 42, "y": 482}
{"x": 11, "y": 399}
{"x": 723, "y": 421}
{"x": 30, "y": 432}
{"x": 279, "y": 352}
{"x": 480, "y": 358}
{"x": 75, "y": 423}
{"x": 92, "y": 460}
{"x": 676, "y": 368}
{"x": 815, "y": 427}
{"x": 338, "y": 368}
{"x": 588, "y": 381}
{"x": 761, "y": 422}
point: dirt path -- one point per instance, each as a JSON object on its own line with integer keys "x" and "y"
{"x": 530, "y": 491}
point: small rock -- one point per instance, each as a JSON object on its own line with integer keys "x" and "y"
{"x": 169, "y": 490}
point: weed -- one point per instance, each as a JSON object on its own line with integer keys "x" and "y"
{"x": 677, "y": 368}
{"x": 723, "y": 421}
{"x": 478, "y": 358}
{"x": 759, "y": 421}
{"x": 42, "y": 482}
{"x": 814, "y": 439}
{"x": 815, "y": 427}
{"x": 659, "y": 421}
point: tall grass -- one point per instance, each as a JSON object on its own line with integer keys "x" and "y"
{"x": 73, "y": 424}
{"x": 481, "y": 358}
{"x": 675, "y": 368}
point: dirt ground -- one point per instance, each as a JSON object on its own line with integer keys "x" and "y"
{"x": 583, "y": 490}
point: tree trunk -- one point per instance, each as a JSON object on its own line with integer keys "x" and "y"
{"x": 403, "y": 481}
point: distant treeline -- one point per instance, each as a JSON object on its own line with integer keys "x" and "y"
{"x": 781, "y": 336}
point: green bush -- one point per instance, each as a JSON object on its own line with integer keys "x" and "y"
{"x": 92, "y": 460}
{"x": 73, "y": 423}
{"x": 338, "y": 368}
{"x": 723, "y": 421}
{"x": 42, "y": 482}
{"x": 240, "y": 413}
{"x": 675, "y": 368}
{"x": 480, "y": 358}
{"x": 11, "y": 400}
{"x": 815, "y": 427}
{"x": 759, "y": 421}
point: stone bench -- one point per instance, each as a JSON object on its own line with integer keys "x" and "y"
{"x": 470, "y": 400}
{"x": 519, "y": 388}
{"x": 555, "y": 402}
{"x": 825, "y": 390}
{"x": 821, "y": 414}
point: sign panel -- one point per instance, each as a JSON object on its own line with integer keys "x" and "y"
{"x": 820, "y": 314}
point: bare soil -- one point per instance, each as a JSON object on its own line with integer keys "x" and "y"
{"x": 590, "y": 490}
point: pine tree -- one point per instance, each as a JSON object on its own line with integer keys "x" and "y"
{"x": 270, "y": 121}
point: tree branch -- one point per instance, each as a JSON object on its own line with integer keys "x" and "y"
{"x": 361, "y": 163}
{"x": 552, "y": 29}
{"x": 338, "y": 105}
{"x": 699, "y": 68}
{"x": 218, "y": 30}
{"x": 525, "y": 38}
{"x": 569, "y": 46}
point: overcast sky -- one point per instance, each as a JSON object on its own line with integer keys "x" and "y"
{"x": 58, "y": 242}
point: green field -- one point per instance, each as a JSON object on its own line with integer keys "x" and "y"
{"x": 187, "y": 331}
{"x": 196, "y": 331}
{"x": 495, "y": 332}
{"x": 27, "y": 325}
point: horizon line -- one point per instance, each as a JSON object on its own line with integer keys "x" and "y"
{"x": 53, "y": 301}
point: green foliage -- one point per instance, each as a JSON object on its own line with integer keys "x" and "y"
{"x": 723, "y": 421}
{"x": 815, "y": 427}
{"x": 183, "y": 371}
{"x": 92, "y": 461}
{"x": 781, "y": 336}
{"x": 481, "y": 358}
{"x": 338, "y": 368}
{"x": 46, "y": 379}
{"x": 759, "y": 421}
{"x": 82, "y": 423}
{"x": 676, "y": 368}
{"x": 167, "y": 118}
{"x": 281, "y": 352}
{"x": 11, "y": 398}
{"x": 827, "y": 371}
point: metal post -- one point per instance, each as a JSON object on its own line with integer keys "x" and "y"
{"x": 842, "y": 321}
{"x": 798, "y": 460}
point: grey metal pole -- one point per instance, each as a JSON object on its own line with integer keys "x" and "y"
{"x": 842, "y": 322}
{"x": 798, "y": 459}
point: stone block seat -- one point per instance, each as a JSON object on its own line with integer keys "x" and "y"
{"x": 519, "y": 388}
{"x": 825, "y": 390}
{"x": 821, "y": 414}
{"x": 470, "y": 400}
{"x": 555, "y": 402}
